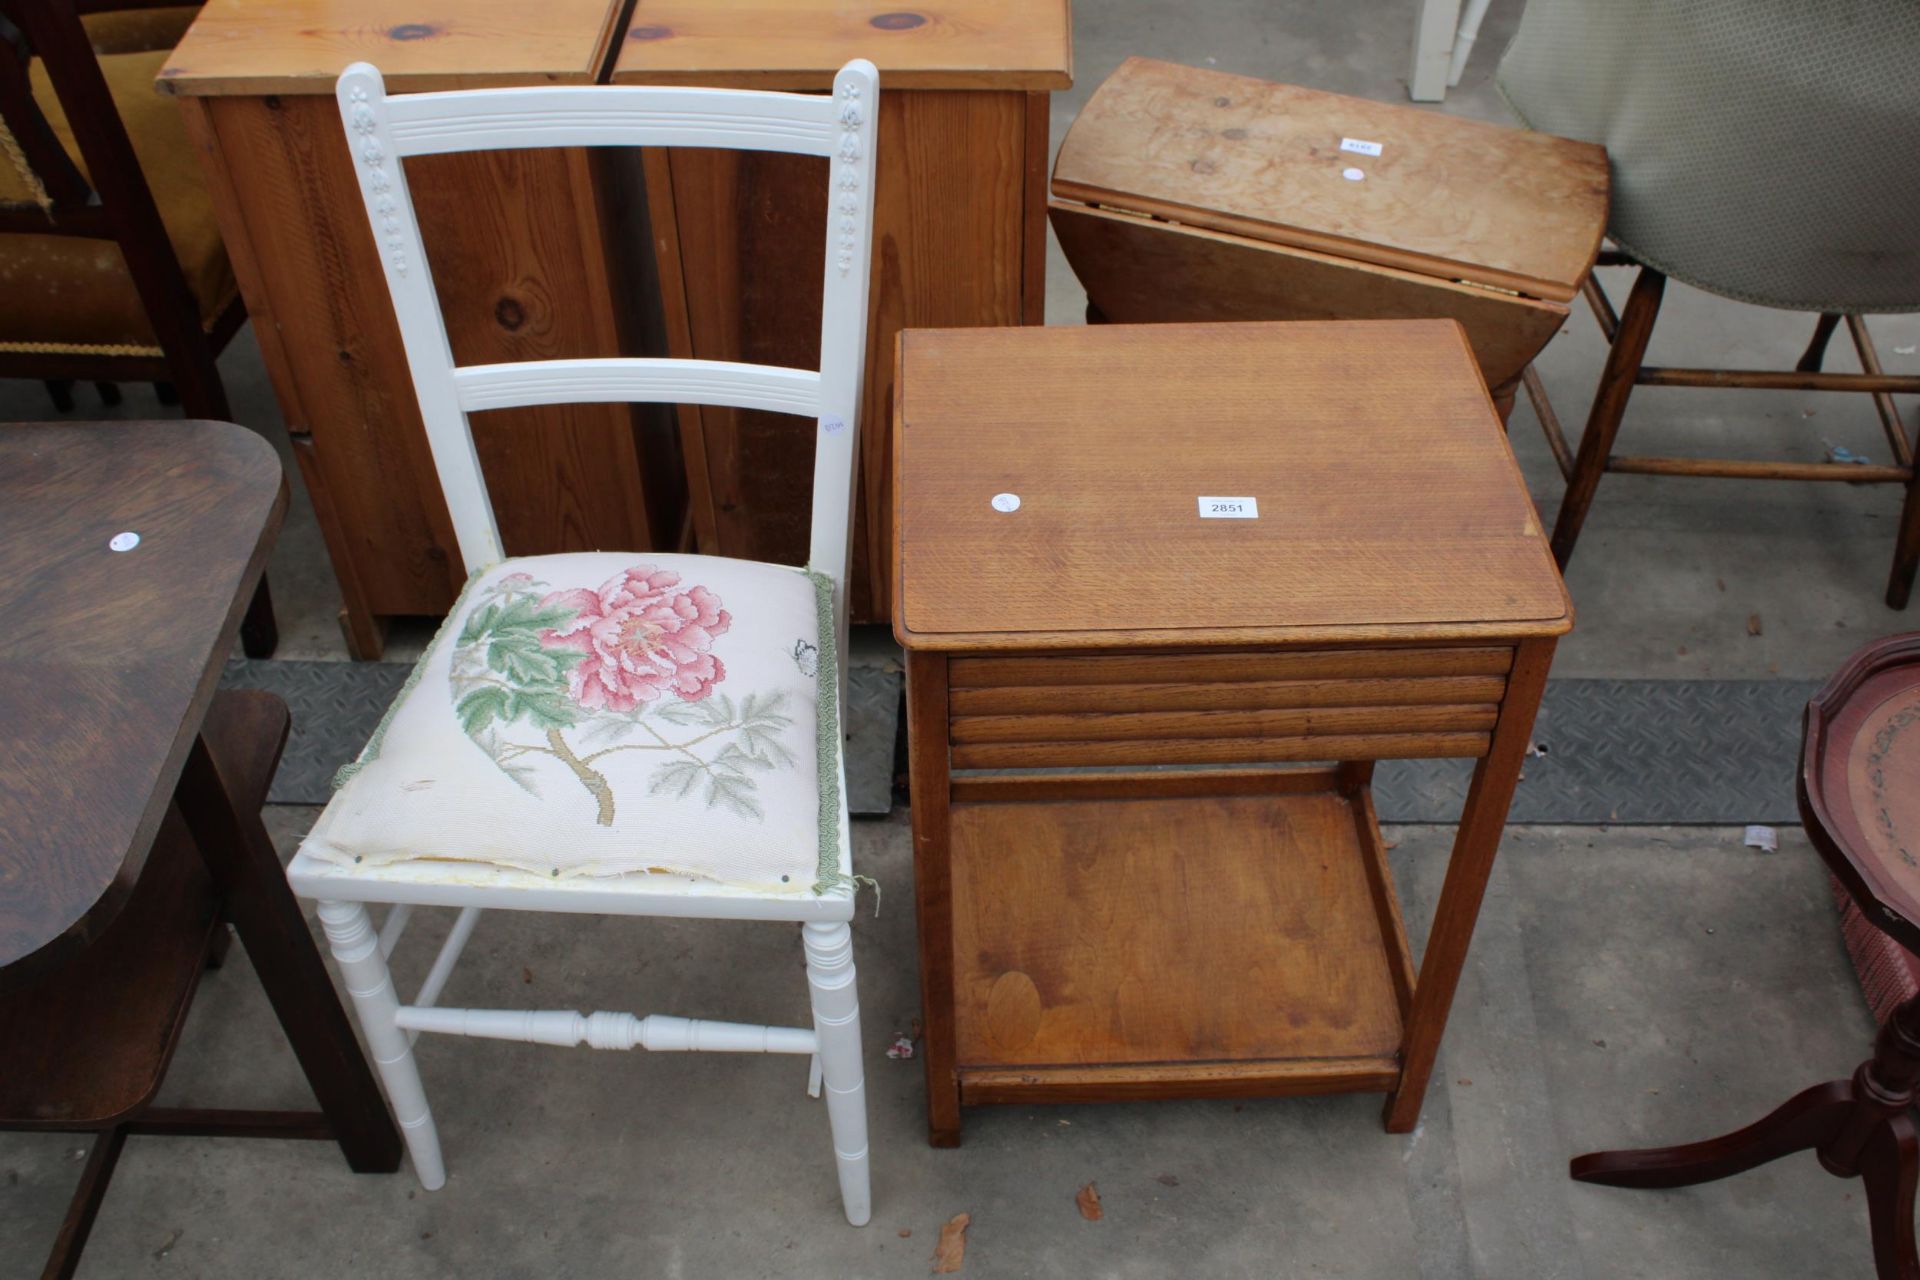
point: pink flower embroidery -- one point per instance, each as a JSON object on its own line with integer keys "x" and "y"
{"x": 641, "y": 639}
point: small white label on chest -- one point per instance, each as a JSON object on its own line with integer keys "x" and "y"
{"x": 1360, "y": 146}
{"x": 1229, "y": 509}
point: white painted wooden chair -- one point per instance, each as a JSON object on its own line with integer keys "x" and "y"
{"x": 599, "y": 732}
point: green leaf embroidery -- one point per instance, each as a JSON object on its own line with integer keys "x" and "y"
{"x": 479, "y": 622}
{"x": 676, "y": 778}
{"x": 482, "y": 707}
{"x": 544, "y": 708}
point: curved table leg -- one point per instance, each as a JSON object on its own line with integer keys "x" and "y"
{"x": 1889, "y": 1166}
{"x": 1807, "y": 1120}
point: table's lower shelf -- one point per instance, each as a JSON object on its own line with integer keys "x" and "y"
{"x": 1197, "y": 946}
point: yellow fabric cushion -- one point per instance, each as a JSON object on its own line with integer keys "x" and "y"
{"x": 70, "y": 292}
{"x": 138, "y": 30}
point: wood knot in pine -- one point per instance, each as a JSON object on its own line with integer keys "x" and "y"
{"x": 509, "y": 314}
{"x": 413, "y": 31}
{"x": 897, "y": 21}
{"x": 649, "y": 33}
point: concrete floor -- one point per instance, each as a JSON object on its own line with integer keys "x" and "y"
{"x": 1627, "y": 985}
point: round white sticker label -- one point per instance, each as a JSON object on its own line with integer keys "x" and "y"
{"x": 124, "y": 541}
{"x": 1006, "y": 502}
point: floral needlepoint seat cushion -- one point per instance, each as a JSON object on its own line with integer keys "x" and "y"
{"x": 605, "y": 714}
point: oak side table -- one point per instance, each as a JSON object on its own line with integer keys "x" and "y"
{"x": 1146, "y": 576}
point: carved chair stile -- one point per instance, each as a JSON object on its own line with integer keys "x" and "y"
{"x": 638, "y": 656}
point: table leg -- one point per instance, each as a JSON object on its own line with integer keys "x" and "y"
{"x": 241, "y": 858}
{"x": 1482, "y": 821}
{"x": 64, "y": 1261}
{"x": 1807, "y": 1120}
{"x": 1888, "y": 1167}
{"x": 1433, "y": 32}
{"x": 933, "y": 887}
{"x": 1859, "y": 1127}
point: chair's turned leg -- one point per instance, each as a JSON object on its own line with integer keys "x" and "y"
{"x": 1889, "y": 1166}
{"x": 60, "y": 391}
{"x": 1609, "y": 407}
{"x": 355, "y": 944}
{"x": 109, "y": 393}
{"x": 836, "y": 1021}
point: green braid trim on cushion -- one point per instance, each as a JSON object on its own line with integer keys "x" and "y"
{"x": 371, "y": 752}
{"x": 826, "y": 721}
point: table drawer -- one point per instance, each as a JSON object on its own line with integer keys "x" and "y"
{"x": 1109, "y": 709}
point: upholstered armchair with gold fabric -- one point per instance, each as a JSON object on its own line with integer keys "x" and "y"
{"x": 108, "y": 245}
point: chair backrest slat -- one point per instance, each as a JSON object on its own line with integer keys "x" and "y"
{"x": 613, "y": 116}
{"x": 382, "y": 131}
{"x": 719, "y": 382}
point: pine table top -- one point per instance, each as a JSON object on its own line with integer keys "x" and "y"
{"x": 260, "y": 47}
{"x": 799, "y": 44}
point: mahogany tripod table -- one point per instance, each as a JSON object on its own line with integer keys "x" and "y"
{"x": 1167, "y": 592}
{"x": 130, "y": 794}
{"x": 1860, "y": 800}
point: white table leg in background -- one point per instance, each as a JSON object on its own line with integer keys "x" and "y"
{"x": 1433, "y": 50}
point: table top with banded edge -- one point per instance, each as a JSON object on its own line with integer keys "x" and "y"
{"x": 1390, "y": 507}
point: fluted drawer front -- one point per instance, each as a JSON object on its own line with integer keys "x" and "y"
{"x": 1224, "y": 708}
{"x": 1375, "y": 746}
{"x": 1216, "y": 666}
{"x": 1229, "y": 695}
{"x": 1289, "y": 723}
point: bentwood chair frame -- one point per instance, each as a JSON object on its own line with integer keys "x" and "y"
{"x": 382, "y": 132}
{"x": 111, "y": 201}
{"x": 1628, "y": 333}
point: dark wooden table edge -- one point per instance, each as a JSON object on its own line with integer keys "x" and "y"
{"x": 50, "y": 954}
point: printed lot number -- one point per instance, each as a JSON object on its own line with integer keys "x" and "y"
{"x": 1213, "y": 508}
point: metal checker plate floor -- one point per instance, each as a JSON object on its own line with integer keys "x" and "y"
{"x": 1611, "y": 751}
